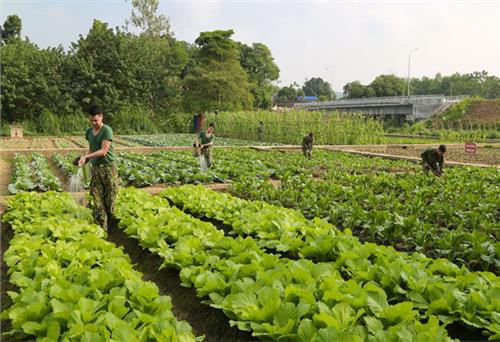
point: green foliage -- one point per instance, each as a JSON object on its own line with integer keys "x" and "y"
{"x": 477, "y": 83}
{"x": 32, "y": 172}
{"x": 74, "y": 123}
{"x": 290, "y": 127}
{"x": 316, "y": 86}
{"x": 133, "y": 120}
{"x": 289, "y": 93}
{"x": 72, "y": 284}
{"x": 261, "y": 69}
{"x": 382, "y": 85}
{"x": 217, "y": 81}
{"x": 388, "y": 85}
{"x": 217, "y": 45}
{"x": 215, "y": 86}
{"x": 48, "y": 122}
{"x": 11, "y": 30}
{"x": 32, "y": 81}
{"x": 369, "y": 291}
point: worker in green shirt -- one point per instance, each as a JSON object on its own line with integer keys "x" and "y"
{"x": 433, "y": 159}
{"x": 104, "y": 183}
{"x": 206, "y": 141}
{"x": 307, "y": 145}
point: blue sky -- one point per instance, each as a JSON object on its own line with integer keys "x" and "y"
{"x": 340, "y": 41}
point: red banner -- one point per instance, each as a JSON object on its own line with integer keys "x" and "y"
{"x": 470, "y": 147}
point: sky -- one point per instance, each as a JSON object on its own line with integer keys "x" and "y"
{"x": 339, "y": 41}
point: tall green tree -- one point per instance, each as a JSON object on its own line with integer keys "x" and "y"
{"x": 217, "y": 80}
{"x": 388, "y": 85}
{"x": 259, "y": 65}
{"x": 34, "y": 80}
{"x": 290, "y": 93}
{"x": 316, "y": 86}
{"x": 354, "y": 90}
{"x": 100, "y": 73}
{"x": 11, "y": 29}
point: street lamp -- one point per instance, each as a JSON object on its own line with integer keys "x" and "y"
{"x": 409, "y": 59}
{"x": 331, "y": 85}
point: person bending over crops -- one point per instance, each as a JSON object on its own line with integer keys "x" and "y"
{"x": 433, "y": 159}
{"x": 307, "y": 145}
{"x": 104, "y": 181}
{"x": 206, "y": 139}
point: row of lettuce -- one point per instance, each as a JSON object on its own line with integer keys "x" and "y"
{"x": 329, "y": 287}
{"x": 71, "y": 284}
{"x": 382, "y": 201}
{"x": 31, "y": 172}
{"x": 74, "y": 285}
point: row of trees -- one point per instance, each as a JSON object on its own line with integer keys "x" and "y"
{"x": 473, "y": 84}
{"x": 137, "y": 78}
{"x": 315, "y": 86}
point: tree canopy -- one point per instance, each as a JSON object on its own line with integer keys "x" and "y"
{"x": 147, "y": 76}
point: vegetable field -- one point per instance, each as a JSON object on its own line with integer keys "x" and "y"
{"x": 339, "y": 247}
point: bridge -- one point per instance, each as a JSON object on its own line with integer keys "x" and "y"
{"x": 403, "y": 108}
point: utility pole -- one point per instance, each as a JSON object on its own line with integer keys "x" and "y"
{"x": 409, "y": 60}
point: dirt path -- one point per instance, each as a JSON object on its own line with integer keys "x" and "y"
{"x": 5, "y": 174}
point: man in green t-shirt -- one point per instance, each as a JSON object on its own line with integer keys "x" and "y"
{"x": 104, "y": 183}
{"x": 206, "y": 141}
{"x": 433, "y": 159}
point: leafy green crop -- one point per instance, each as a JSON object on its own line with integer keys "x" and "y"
{"x": 74, "y": 285}
{"x": 369, "y": 293}
{"x": 32, "y": 173}
{"x": 434, "y": 286}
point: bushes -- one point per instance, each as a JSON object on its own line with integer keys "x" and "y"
{"x": 48, "y": 123}
{"x": 133, "y": 120}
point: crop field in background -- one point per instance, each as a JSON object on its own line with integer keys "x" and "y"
{"x": 341, "y": 246}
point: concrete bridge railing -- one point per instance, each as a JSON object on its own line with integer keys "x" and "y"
{"x": 413, "y": 107}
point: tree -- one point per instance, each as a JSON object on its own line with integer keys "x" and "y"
{"x": 34, "y": 80}
{"x": 217, "y": 81}
{"x": 290, "y": 93}
{"x": 145, "y": 18}
{"x": 261, "y": 70}
{"x": 11, "y": 29}
{"x": 354, "y": 90}
{"x": 477, "y": 83}
{"x": 287, "y": 94}
{"x": 316, "y": 86}
{"x": 388, "y": 85}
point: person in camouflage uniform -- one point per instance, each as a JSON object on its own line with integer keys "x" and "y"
{"x": 104, "y": 182}
{"x": 206, "y": 139}
{"x": 260, "y": 130}
{"x": 433, "y": 159}
{"x": 307, "y": 145}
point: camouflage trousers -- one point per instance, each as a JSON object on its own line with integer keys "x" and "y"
{"x": 307, "y": 150}
{"x": 103, "y": 189}
{"x": 207, "y": 153}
